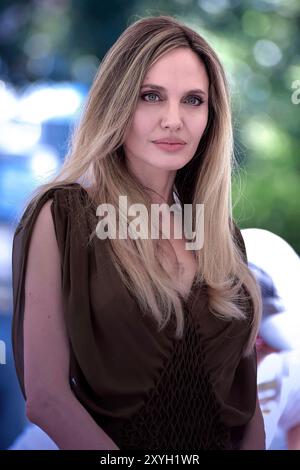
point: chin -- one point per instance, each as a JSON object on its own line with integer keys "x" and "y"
{"x": 170, "y": 162}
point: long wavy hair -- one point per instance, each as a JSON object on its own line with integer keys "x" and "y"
{"x": 96, "y": 160}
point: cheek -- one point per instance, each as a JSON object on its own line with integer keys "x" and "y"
{"x": 133, "y": 131}
{"x": 141, "y": 126}
{"x": 199, "y": 128}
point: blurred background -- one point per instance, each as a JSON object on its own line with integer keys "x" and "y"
{"x": 49, "y": 53}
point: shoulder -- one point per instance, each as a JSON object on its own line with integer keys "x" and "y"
{"x": 58, "y": 202}
{"x": 34, "y": 206}
{"x": 61, "y": 210}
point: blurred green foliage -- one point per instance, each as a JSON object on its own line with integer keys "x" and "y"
{"x": 258, "y": 42}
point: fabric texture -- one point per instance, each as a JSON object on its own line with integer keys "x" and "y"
{"x": 145, "y": 388}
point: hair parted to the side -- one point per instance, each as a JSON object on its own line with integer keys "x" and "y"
{"x": 96, "y": 160}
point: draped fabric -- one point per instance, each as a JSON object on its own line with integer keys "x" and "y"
{"x": 145, "y": 388}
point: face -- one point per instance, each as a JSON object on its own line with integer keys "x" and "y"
{"x": 172, "y": 106}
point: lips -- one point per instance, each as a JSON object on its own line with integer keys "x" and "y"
{"x": 169, "y": 147}
{"x": 170, "y": 141}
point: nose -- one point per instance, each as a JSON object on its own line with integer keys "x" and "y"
{"x": 171, "y": 118}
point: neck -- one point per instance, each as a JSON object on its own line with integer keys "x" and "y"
{"x": 158, "y": 182}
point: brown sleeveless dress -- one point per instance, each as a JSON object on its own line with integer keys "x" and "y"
{"x": 145, "y": 388}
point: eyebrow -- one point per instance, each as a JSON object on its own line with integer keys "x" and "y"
{"x": 161, "y": 88}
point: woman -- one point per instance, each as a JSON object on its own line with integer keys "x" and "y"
{"x": 139, "y": 343}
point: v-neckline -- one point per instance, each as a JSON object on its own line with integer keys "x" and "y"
{"x": 187, "y": 301}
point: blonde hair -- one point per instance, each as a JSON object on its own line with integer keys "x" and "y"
{"x": 96, "y": 159}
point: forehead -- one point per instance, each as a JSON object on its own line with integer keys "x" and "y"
{"x": 181, "y": 67}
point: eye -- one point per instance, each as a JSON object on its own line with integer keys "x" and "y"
{"x": 149, "y": 94}
{"x": 200, "y": 100}
{"x": 151, "y": 98}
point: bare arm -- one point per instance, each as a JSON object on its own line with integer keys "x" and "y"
{"x": 293, "y": 438}
{"x": 51, "y": 403}
{"x": 255, "y": 438}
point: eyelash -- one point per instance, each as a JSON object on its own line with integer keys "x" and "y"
{"x": 156, "y": 94}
